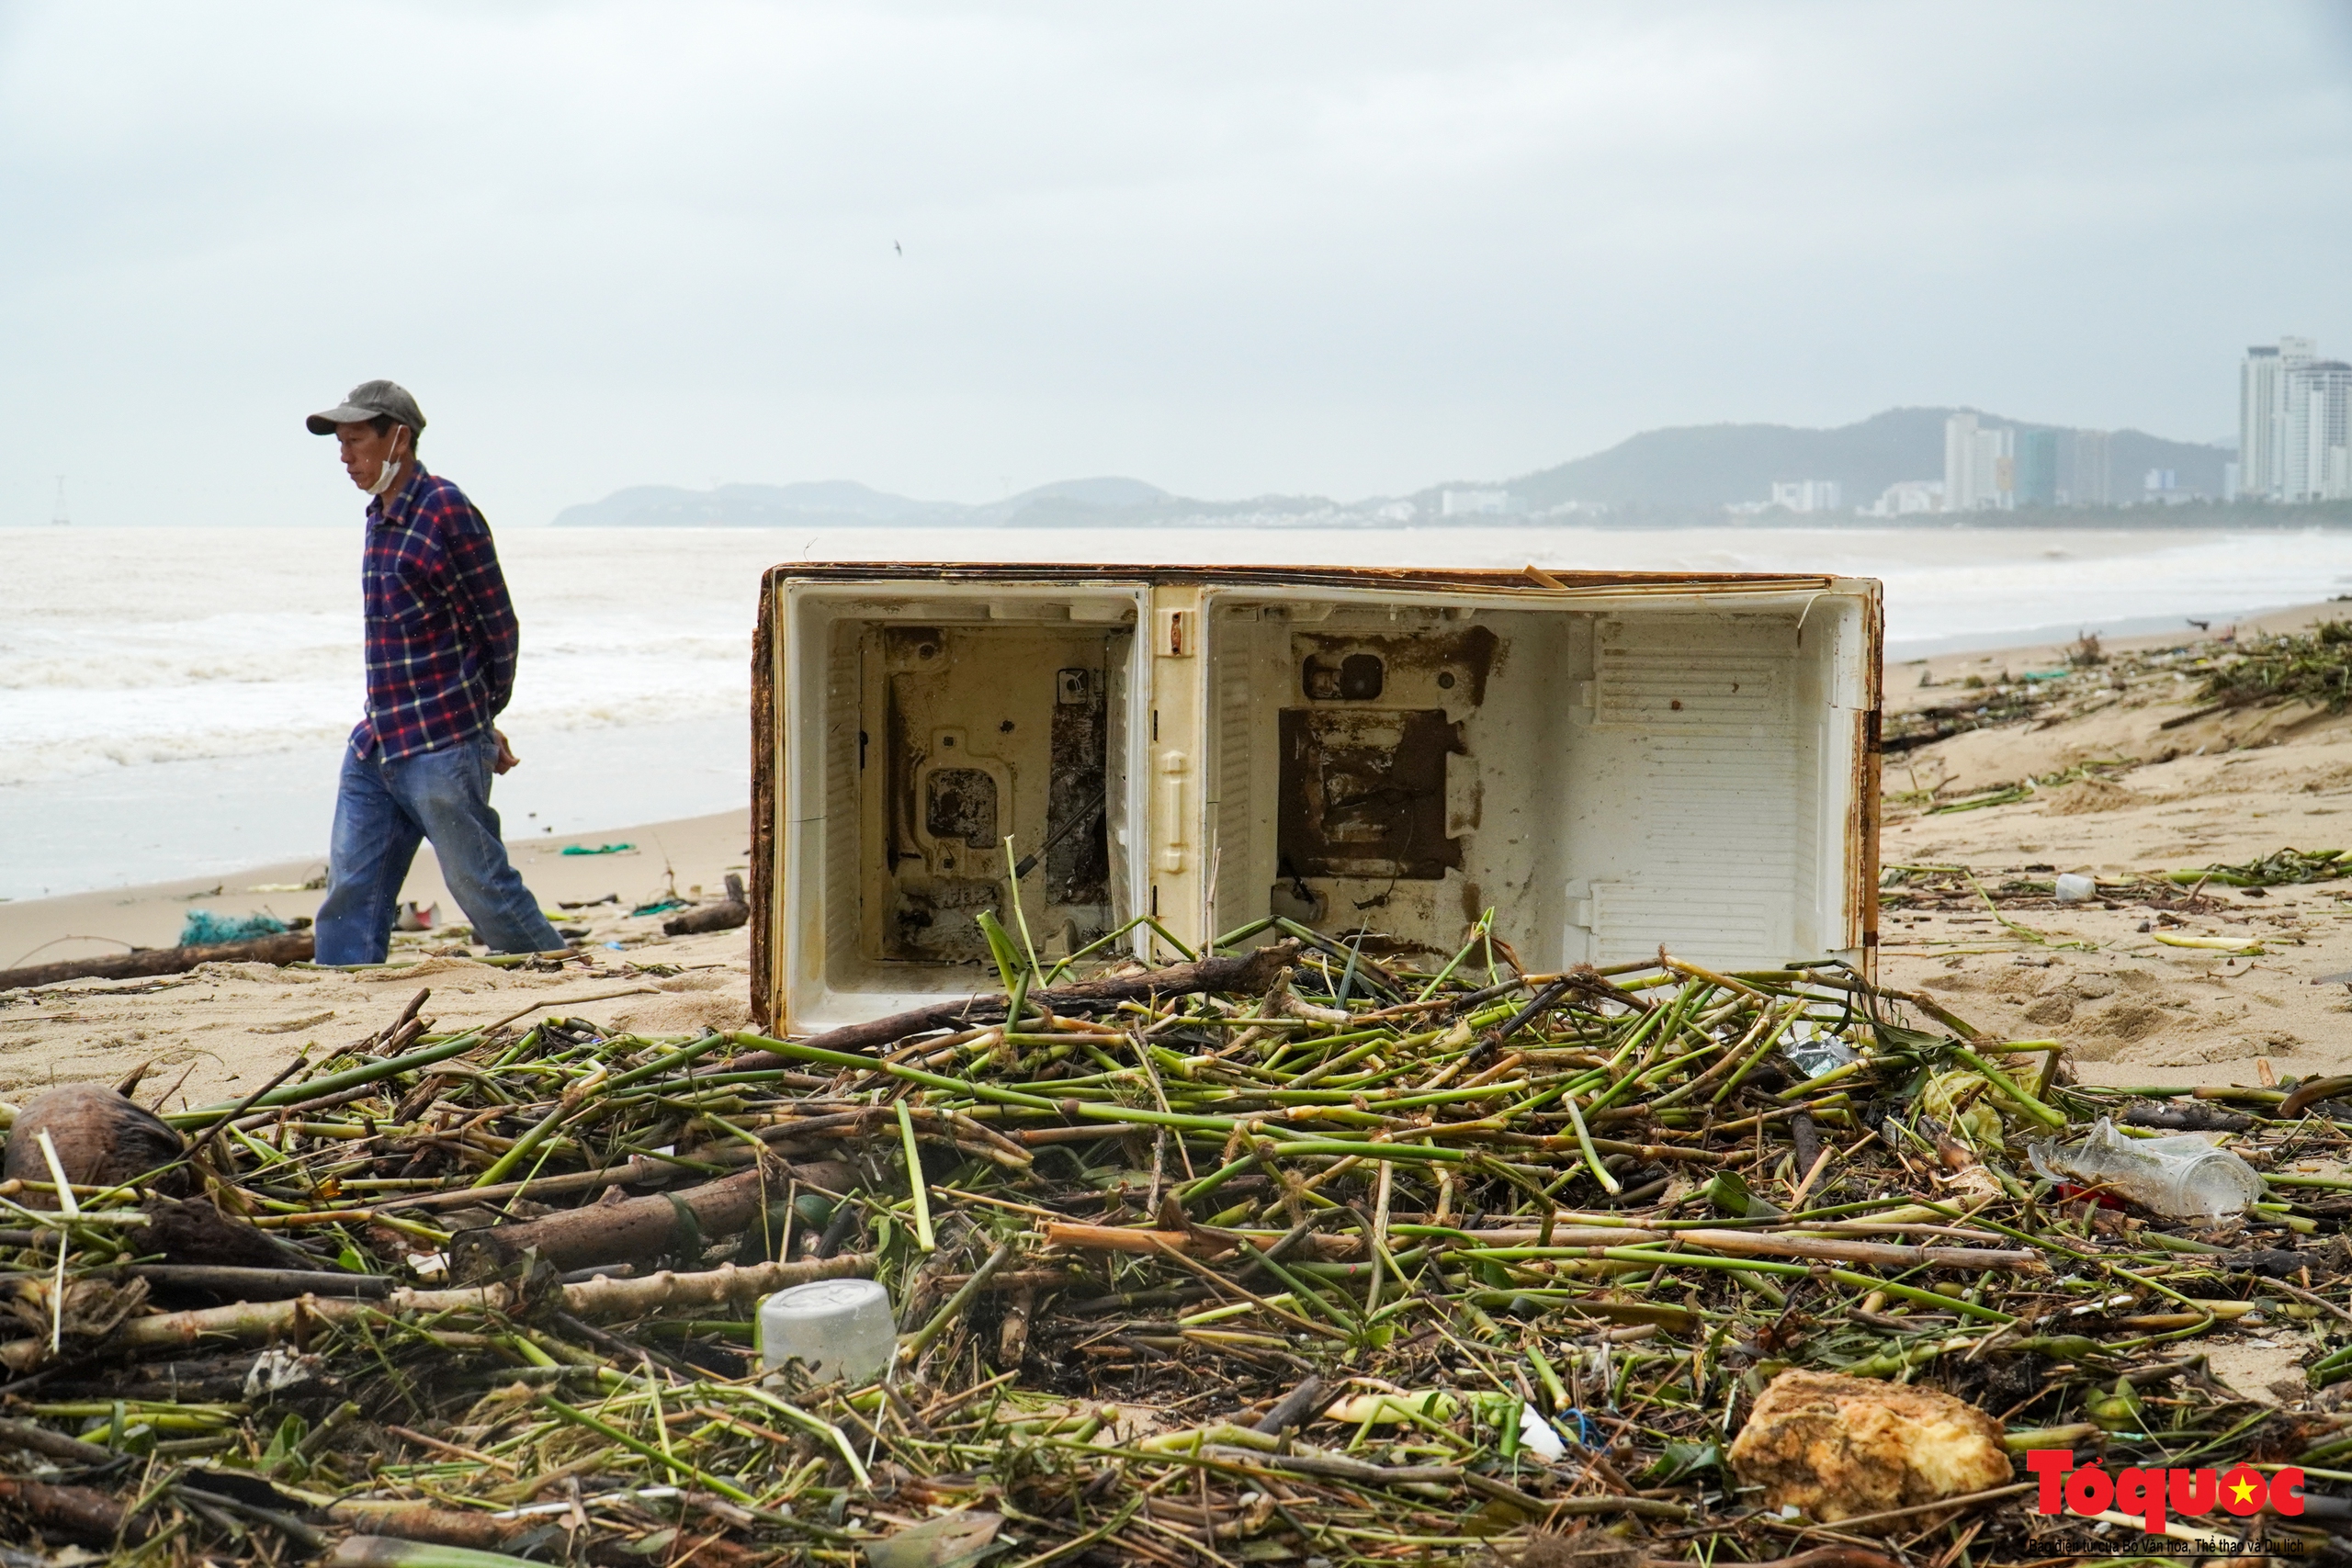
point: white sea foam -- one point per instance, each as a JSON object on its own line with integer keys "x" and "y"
{"x": 122, "y": 649}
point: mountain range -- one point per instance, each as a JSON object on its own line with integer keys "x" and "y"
{"x": 1689, "y": 473}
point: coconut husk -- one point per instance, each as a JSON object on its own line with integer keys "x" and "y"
{"x": 102, "y": 1140}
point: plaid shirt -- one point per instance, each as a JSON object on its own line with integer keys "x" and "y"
{"x": 441, "y": 631}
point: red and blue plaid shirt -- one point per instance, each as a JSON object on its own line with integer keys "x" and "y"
{"x": 441, "y": 632}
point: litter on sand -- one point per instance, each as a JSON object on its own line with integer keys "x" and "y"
{"x": 599, "y": 850}
{"x": 202, "y": 928}
{"x": 1288, "y": 1253}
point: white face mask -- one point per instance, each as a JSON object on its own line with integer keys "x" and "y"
{"x": 390, "y": 471}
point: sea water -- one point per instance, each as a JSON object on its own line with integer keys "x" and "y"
{"x": 173, "y": 700}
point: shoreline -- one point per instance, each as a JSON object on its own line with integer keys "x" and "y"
{"x": 691, "y": 852}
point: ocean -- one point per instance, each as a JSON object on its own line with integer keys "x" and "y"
{"x": 173, "y": 700}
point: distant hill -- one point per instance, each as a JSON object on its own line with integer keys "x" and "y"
{"x": 1722, "y": 465}
{"x": 1683, "y": 475}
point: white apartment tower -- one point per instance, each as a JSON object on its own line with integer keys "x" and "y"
{"x": 2264, "y": 389}
{"x": 1979, "y": 466}
{"x": 2317, "y": 433}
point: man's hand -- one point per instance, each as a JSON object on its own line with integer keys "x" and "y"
{"x": 507, "y": 762}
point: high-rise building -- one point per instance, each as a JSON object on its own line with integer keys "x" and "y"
{"x": 1808, "y": 495}
{"x": 2089, "y": 469}
{"x": 2317, "y": 433}
{"x": 1979, "y": 466}
{"x": 2263, "y": 392}
{"x": 1905, "y": 496}
{"x": 2037, "y": 467}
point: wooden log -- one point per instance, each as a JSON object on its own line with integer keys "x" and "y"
{"x": 601, "y": 1299}
{"x": 236, "y": 1284}
{"x": 628, "y": 1231}
{"x": 84, "y": 1513}
{"x": 56, "y": 1445}
{"x": 288, "y": 947}
{"x": 430, "y": 1522}
{"x": 723, "y": 915}
{"x": 1249, "y": 974}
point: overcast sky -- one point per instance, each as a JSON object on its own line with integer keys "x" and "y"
{"x": 1232, "y": 249}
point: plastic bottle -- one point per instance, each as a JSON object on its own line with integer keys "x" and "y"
{"x": 836, "y": 1328}
{"x": 2183, "y": 1176}
{"x": 2073, "y": 887}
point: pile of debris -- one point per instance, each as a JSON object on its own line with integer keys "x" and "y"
{"x": 2223, "y": 673}
{"x": 1282, "y": 1254}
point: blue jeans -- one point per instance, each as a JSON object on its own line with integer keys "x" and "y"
{"x": 382, "y": 811}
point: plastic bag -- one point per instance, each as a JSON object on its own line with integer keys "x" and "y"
{"x": 1963, "y": 1101}
{"x": 2183, "y": 1176}
{"x": 1813, "y": 1052}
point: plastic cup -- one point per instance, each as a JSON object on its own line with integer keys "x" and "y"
{"x": 836, "y": 1328}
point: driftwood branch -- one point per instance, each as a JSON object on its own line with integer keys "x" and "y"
{"x": 601, "y": 1299}
{"x": 1245, "y": 974}
{"x": 724, "y": 916}
{"x": 615, "y": 1232}
{"x": 428, "y": 1522}
{"x": 82, "y": 1512}
{"x": 291, "y": 947}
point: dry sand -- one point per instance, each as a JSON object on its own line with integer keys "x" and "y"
{"x": 2225, "y": 789}
{"x": 229, "y": 1025}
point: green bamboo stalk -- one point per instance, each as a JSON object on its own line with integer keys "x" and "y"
{"x": 922, "y": 1340}
{"x": 2000, "y": 1080}
{"x": 1742, "y": 1265}
{"x": 334, "y": 1083}
{"x": 1591, "y": 1157}
{"x": 579, "y": 1417}
{"x": 1477, "y": 932}
{"x": 915, "y": 1181}
{"x": 660, "y": 1064}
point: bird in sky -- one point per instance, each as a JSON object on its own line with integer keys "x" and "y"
{"x": 900, "y": 248}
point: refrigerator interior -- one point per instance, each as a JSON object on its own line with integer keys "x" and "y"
{"x": 1605, "y": 779}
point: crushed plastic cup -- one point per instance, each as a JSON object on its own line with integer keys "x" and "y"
{"x": 2074, "y": 888}
{"x": 1538, "y": 1437}
{"x": 836, "y": 1328}
{"x": 2185, "y": 1176}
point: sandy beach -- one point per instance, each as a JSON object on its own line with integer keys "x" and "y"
{"x": 216, "y": 1028}
{"x": 2218, "y": 790}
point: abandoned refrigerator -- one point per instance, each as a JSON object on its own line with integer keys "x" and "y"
{"x": 1610, "y": 761}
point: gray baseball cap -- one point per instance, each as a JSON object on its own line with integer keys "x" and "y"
{"x": 370, "y": 399}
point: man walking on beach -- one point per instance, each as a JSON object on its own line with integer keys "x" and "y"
{"x": 441, "y": 646}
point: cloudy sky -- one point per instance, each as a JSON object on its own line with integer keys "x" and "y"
{"x": 1339, "y": 248}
